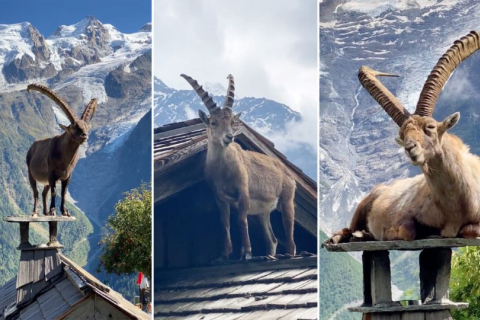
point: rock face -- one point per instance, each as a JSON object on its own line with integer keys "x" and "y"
{"x": 122, "y": 82}
{"x": 32, "y": 66}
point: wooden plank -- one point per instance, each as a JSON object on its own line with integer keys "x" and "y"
{"x": 269, "y": 315}
{"x": 105, "y": 311}
{"x": 412, "y": 308}
{"x": 24, "y": 294}
{"x": 439, "y": 315}
{"x": 69, "y": 291}
{"x": 307, "y": 314}
{"x": 384, "y": 316}
{"x": 23, "y": 275}
{"x": 28, "y": 218}
{"x": 435, "y": 267}
{"x": 82, "y": 311}
{"x": 39, "y": 265}
{"x": 401, "y": 245}
{"x": 32, "y": 312}
{"x": 279, "y": 266}
{"x": 378, "y": 265}
{"x": 53, "y": 265}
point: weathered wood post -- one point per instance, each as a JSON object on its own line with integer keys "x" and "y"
{"x": 435, "y": 266}
{"x": 39, "y": 264}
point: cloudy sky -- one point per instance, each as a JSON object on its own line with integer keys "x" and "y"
{"x": 269, "y": 46}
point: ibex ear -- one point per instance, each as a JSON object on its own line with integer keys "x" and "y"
{"x": 449, "y": 122}
{"x": 237, "y": 117}
{"x": 89, "y": 126}
{"x": 399, "y": 141}
{"x": 64, "y": 128}
{"x": 203, "y": 117}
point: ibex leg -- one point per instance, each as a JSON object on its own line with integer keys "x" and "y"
{"x": 471, "y": 231}
{"x": 33, "y": 184}
{"x": 44, "y": 199}
{"x": 53, "y": 193}
{"x": 287, "y": 208}
{"x": 270, "y": 238}
{"x": 224, "y": 208}
{"x": 243, "y": 206}
{"x": 64, "y": 192}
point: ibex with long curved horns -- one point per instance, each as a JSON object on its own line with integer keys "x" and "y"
{"x": 446, "y": 197}
{"x": 253, "y": 182}
{"x": 53, "y": 159}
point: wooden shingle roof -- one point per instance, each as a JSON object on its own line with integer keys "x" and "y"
{"x": 284, "y": 289}
{"x": 68, "y": 289}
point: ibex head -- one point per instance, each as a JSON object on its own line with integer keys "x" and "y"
{"x": 78, "y": 128}
{"x": 420, "y": 134}
{"x": 220, "y": 121}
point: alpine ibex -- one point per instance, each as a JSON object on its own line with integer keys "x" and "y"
{"x": 446, "y": 197}
{"x": 253, "y": 182}
{"x": 53, "y": 159}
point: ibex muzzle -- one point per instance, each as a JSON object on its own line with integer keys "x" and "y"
{"x": 53, "y": 159}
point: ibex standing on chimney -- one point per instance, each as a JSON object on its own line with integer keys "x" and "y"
{"x": 53, "y": 159}
{"x": 254, "y": 183}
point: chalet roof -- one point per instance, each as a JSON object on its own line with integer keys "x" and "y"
{"x": 283, "y": 289}
{"x": 71, "y": 285}
{"x": 183, "y": 145}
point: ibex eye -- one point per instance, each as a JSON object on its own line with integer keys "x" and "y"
{"x": 214, "y": 123}
{"x": 431, "y": 126}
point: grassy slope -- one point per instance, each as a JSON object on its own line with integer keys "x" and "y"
{"x": 340, "y": 283}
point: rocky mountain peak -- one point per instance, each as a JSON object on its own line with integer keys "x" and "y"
{"x": 39, "y": 45}
{"x": 147, "y": 27}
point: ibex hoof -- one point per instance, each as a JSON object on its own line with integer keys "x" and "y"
{"x": 220, "y": 259}
{"x": 34, "y": 214}
{"x": 66, "y": 213}
{"x": 247, "y": 256}
{"x": 52, "y": 212}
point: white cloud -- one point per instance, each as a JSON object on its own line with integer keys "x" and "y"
{"x": 269, "y": 46}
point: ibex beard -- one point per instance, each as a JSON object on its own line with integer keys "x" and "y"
{"x": 445, "y": 198}
{"x": 255, "y": 184}
{"x": 53, "y": 159}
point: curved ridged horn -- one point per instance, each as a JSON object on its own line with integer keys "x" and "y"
{"x": 52, "y": 95}
{"x": 458, "y": 52}
{"x": 382, "y": 95}
{"x": 207, "y": 100}
{"x": 89, "y": 110}
{"x": 230, "y": 96}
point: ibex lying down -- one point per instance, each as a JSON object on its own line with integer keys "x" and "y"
{"x": 53, "y": 159}
{"x": 255, "y": 183}
{"x": 446, "y": 197}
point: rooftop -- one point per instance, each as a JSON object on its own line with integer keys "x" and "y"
{"x": 282, "y": 289}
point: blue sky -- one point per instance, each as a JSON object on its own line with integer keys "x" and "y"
{"x": 46, "y": 15}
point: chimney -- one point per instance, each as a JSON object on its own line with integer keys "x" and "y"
{"x": 40, "y": 265}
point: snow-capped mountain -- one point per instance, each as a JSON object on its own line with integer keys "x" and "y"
{"x": 85, "y": 60}
{"x": 270, "y": 118}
